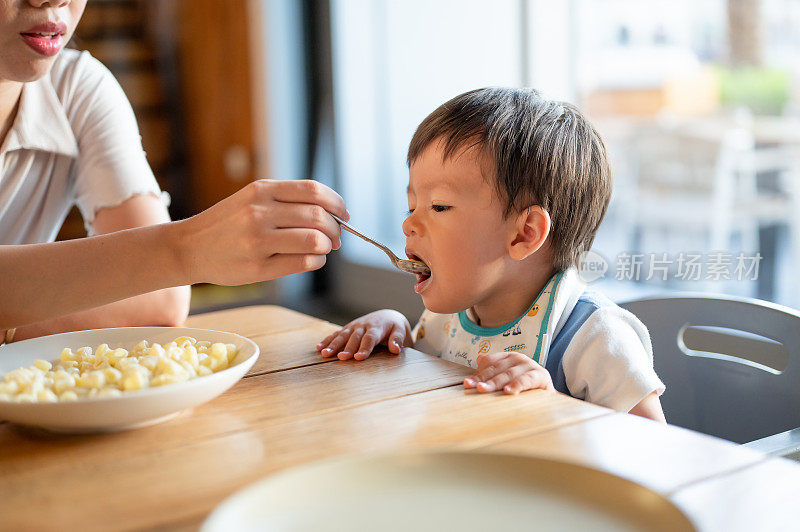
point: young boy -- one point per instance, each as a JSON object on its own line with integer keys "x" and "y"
{"x": 506, "y": 189}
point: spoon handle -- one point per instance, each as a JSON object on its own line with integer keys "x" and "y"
{"x": 347, "y": 227}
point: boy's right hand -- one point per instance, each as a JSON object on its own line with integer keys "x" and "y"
{"x": 358, "y": 338}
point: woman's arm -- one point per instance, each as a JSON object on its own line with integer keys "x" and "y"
{"x": 168, "y": 306}
{"x": 41, "y": 281}
{"x": 266, "y": 230}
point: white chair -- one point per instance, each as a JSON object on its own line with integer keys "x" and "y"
{"x": 731, "y": 365}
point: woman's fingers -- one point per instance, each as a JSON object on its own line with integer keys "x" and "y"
{"x": 295, "y": 240}
{"x": 305, "y": 191}
{"x": 280, "y": 265}
{"x": 304, "y": 216}
{"x": 267, "y": 229}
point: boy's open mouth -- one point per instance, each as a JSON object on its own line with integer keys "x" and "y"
{"x": 423, "y": 280}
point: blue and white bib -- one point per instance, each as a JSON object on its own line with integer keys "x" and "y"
{"x": 593, "y": 349}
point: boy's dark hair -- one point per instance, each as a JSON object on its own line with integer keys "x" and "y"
{"x": 544, "y": 152}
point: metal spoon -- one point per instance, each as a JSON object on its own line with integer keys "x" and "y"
{"x": 406, "y": 265}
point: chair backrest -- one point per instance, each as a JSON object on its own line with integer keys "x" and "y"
{"x": 731, "y": 365}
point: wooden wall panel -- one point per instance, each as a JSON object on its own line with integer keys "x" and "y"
{"x": 215, "y": 72}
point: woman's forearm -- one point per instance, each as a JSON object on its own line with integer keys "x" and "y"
{"x": 42, "y": 281}
{"x": 266, "y": 230}
{"x": 166, "y": 307}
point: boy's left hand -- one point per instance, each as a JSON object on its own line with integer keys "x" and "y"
{"x": 511, "y": 372}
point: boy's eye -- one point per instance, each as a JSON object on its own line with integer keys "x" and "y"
{"x": 440, "y": 208}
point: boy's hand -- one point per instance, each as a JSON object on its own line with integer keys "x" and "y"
{"x": 512, "y": 372}
{"x": 358, "y": 338}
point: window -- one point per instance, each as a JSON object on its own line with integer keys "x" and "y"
{"x": 695, "y": 102}
{"x": 394, "y": 63}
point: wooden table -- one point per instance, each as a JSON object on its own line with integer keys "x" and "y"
{"x": 294, "y": 407}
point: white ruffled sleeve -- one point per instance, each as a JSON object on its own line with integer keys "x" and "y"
{"x": 111, "y": 165}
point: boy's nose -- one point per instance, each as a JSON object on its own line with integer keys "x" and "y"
{"x": 409, "y": 225}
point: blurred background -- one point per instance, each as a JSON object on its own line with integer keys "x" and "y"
{"x": 698, "y": 102}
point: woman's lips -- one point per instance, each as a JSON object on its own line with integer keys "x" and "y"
{"x": 45, "y": 38}
{"x": 44, "y": 44}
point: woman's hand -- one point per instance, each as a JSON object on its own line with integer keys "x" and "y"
{"x": 512, "y": 372}
{"x": 358, "y": 338}
{"x": 266, "y": 230}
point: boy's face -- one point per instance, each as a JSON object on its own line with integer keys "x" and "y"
{"x": 456, "y": 226}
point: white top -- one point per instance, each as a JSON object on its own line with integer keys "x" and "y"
{"x": 604, "y": 356}
{"x": 74, "y": 141}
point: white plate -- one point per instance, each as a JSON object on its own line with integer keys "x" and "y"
{"x": 445, "y": 491}
{"x": 132, "y": 409}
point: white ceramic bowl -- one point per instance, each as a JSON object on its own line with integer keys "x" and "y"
{"x": 445, "y": 490}
{"x": 131, "y": 409}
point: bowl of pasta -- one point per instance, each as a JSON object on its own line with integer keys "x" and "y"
{"x": 105, "y": 380}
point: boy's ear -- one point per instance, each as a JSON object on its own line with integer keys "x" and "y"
{"x": 532, "y": 230}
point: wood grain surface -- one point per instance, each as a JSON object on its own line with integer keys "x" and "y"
{"x": 294, "y": 407}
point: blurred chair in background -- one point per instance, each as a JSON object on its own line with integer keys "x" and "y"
{"x": 709, "y": 184}
{"x": 689, "y": 182}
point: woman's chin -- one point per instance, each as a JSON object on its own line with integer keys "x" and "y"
{"x": 33, "y": 70}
